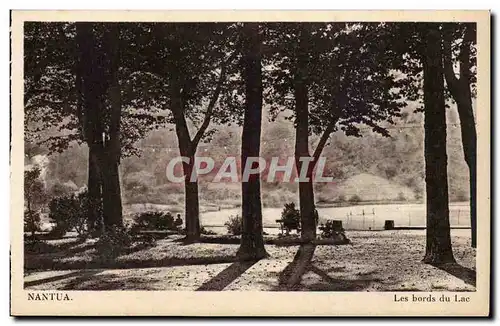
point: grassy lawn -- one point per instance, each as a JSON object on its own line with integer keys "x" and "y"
{"x": 375, "y": 261}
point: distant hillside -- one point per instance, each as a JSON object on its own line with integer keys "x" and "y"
{"x": 367, "y": 187}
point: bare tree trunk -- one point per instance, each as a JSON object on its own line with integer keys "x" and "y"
{"x": 307, "y": 207}
{"x": 95, "y": 79}
{"x": 469, "y": 140}
{"x": 291, "y": 276}
{"x": 94, "y": 192}
{"x": 92, "y": 87}
{"x": 438, "y": 240}
{"x": 192, "y": 207}
{"x": 252, "y": 241}
{"x": 460, "y": 89}
{"x": 112, "y": 204}
{"x": 93, "y": 179}
{"x": 111, "y": 155}
{"x": 473, "y": 198}
{"x": 306, "y": 191}
{"x": 186, "y": 149}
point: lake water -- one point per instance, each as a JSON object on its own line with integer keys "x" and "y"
{"x": 360, "y": 217}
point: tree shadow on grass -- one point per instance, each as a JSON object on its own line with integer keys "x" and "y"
{"x": 88, "y": 279}
{"x": 33, "y": 265}
{"x": 115, "y": 282}
{"x": 329, "y": 283}
{"x": 338, "y": 284}
{"x": 44, "y": 247}
{"x": 227, "y": 276}
{"x": 82, "y": 273}
{"x": 465, "y": 274}
{"x": 109, "y": 282}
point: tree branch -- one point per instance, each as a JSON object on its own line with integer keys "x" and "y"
{"x": 324, "y": 138}
{"x": 213, "y": 101}
{"x": 43, "y": 102}
{"x": 451, "y": 80}
{"x": 464, "y": 57}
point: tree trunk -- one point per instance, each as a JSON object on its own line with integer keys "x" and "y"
{"x": 473, "y": 219}
{"x": 302, "y": 259}
{"x": 112, "y": 206}
{"x": 306, "y": 191}
{"x": 192, "y": 207}
{"x": 92, "y": 86}
{"x": 438, "y": 240}
{"x": 186, "y": 149}
{"x": 469, "y": 141}
{"x": 252, "y": 241}
{"x": 467, "y": 123}
{"x": 31, "y": 221}
{"x": 292, "y": 275}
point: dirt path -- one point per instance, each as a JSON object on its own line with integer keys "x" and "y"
{"x": 376, "y": 261}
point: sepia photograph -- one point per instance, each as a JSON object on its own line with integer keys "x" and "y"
{"x": 250, "y": 155}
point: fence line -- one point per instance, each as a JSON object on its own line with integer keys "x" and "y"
{"x": 371, "y": 219}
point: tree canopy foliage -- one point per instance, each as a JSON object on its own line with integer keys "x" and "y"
{"x": 112, "y": 84}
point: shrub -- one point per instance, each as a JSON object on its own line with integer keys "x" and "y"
{"x": 35, "y": 195}
{"x": 70, "y": 212}
{"x": 461, "y": 195}
{"x": 204, "y": 231}
{"x": 61, "y": 210}
{"x": 113, "y": 242}
{"x": 35, "y": 198}
{"x": 355, "y": 199}
{"x": 147, "y": 241}
{"x": 276, "y": 198}
{"x": 154, "y": 220}
{"x": 58, "y": 189}
{"x": 330, "y": 229}
{"x": 291, "y": 217}
{"x": 31, "y": 221}
{"x": 234, "y": 225}
{"x": 401, "y": 196}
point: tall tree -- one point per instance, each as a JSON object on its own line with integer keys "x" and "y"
{"x": 70, "y": 81}
{"x": 99, "y": 81}
{"x": 461, "y": 89}
{"x": 438, "y": 245}
{"x": 112, "y": 208}
{"x": 189, "y": 63}
{"x": 301, "y": 80}
{"x": 334, "y": 78}
{"x": 252, "y": 242}
{"x": 34, "y": 198}
{"x": 421, "y": 53}
{"x": 91, "y": 86}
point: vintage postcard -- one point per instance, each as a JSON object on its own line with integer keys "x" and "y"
{"x": 250, "y": 163}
